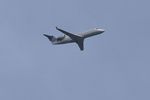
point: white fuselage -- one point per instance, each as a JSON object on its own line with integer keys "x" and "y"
{"x": 70, "y": 37}
{"x": 67, "y": 39}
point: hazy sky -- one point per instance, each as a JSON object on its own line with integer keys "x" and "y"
{"x": 114, "y": 65}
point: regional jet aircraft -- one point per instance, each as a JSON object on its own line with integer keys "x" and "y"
{"x": 70, "y": 38}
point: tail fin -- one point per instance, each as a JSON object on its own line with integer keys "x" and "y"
{"x": 51, "y": 38}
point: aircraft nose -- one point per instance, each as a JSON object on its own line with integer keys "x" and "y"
{"x": 102, "y": 30}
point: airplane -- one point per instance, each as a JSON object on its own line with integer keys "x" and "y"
{"x": 70, "y": 37}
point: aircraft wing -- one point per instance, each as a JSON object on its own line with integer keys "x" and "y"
{"x": 78, "y": 39}
{"x": 81, "y": 44}
{"x": 72, "y": 36}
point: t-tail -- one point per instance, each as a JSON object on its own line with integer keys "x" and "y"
{"x": 50, "y": 37}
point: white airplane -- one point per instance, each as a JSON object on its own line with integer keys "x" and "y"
{"x": 70, "y": 38}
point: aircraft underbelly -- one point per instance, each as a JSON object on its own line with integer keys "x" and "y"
{"x": 64, "y": 41}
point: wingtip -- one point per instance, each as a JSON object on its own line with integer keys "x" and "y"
{"x": 57, "y": 28}
{"x": 44, "y": 34}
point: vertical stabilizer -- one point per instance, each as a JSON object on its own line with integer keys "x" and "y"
{"x": 50, "y": 37}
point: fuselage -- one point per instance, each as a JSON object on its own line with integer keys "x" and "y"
{"x": 90, "y": 33}
{"x": 67, "y": 39}
{"x": 76, "y": 38}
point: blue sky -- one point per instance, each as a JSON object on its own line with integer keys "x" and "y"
{"x": 113, "y": 66}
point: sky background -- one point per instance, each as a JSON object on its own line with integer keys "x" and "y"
{"x": 114, "y": 65}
